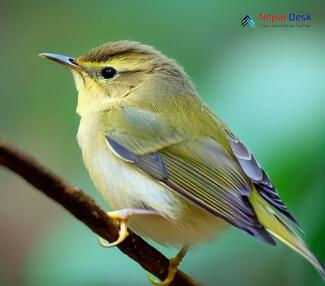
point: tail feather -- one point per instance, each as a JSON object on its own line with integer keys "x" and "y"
{"x": 280, "y": 229}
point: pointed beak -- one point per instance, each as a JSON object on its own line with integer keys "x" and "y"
{"x": 64, "y": 60}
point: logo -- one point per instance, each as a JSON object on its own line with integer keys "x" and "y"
{"x": 248, "y": 21}
{"x": 285, "y": 17}
{"x": 281, "y": 20}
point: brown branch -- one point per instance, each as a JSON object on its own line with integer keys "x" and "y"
{"x": 87, "y": 211}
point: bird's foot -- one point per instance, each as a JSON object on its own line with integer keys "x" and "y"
{"x": 172, "y": 269}
{"x": 123, "y": 216}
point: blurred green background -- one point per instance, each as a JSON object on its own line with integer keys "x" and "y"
{"x": 266, "y": 83}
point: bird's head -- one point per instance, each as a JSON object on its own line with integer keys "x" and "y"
{"x": 112, "y": 72}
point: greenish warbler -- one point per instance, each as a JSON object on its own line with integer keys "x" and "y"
{"x": 171, "y": 169}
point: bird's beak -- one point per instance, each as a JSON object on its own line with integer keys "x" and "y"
{"x": 64, "y": 60}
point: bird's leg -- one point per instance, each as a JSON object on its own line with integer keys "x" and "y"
{"x": 123, "y": 216}
{"x": 172, "y": 269}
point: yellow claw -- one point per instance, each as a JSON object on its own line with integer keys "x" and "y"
{"x": 172, "y": 269}
{"x": 123, "y": 232}
{"x": 123, "y": 216}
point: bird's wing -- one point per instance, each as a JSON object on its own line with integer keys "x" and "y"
{"x": 198, "y": 169}
{"x": 258, "y": 176}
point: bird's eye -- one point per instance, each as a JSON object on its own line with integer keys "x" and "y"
{"x": 108, "y": 72}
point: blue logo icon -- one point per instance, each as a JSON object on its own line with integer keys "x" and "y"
{"x": 248, "y": 21}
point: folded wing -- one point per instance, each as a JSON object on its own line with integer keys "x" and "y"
{"x": 200, "y": 170}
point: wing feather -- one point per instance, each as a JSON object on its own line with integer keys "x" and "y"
{"x": 258, "y": 176}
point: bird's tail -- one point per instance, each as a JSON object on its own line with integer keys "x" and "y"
{"x": 280, "y": 229}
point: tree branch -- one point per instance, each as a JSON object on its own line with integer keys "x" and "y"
{"x": 87, "y": 211}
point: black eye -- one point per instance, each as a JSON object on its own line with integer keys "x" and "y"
{"x": 108, "y": 72}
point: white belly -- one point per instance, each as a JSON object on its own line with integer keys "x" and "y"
{"x": 123, "y": 186}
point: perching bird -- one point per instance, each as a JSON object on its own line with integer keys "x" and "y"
{"x": 169, "y": 167}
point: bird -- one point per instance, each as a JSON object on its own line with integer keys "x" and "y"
{"x": 169, "y": 168}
